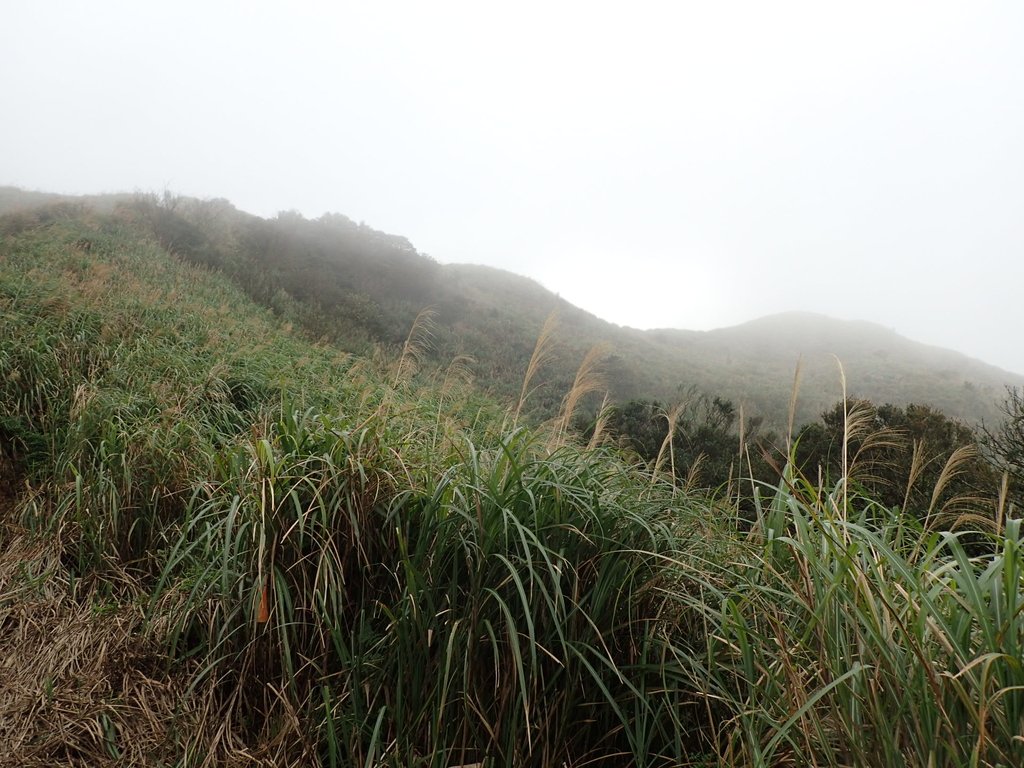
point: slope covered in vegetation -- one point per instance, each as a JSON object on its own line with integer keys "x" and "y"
{"x": 225, "y": 544}
{"x": 360, "y": 288}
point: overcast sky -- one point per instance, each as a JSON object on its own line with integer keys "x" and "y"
{"x": 677, "y": 164}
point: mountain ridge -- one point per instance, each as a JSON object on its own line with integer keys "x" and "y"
{"x": 717, "y": 359}
{"x": 360, "y": 288}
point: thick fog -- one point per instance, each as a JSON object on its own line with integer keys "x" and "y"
{"x": 660, "y": 164}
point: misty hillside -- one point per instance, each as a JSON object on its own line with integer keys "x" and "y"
{"x": 756, "y": 361}
{"x": 360, "y": 288}
{"x": 223, "y": 542}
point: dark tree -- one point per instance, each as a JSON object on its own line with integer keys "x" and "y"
{"x": 1006, "y": 442}
{"x": 900, "y": 456}
{"x": 705, "y": 443}
{"x": 641, "y": 426}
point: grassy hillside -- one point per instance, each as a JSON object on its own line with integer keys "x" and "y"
{"x": 359, "y": 289}
{"x": 223, "y": 543}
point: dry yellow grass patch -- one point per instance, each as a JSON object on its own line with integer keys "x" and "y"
{"x": 79, "y": 684}
{"x": 85, "y": 681}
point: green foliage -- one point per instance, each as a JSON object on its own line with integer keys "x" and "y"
{"x": 914, "y": 458}
{"x": 336, "y": 279}
{"x": 642, "y": 425}
{"x": 337, "y": 562}
{"x": 1006, "y": 440}
{"x": 849, "y": 635}
{"x": 707, "y": 449}
{"x": 472, "y": 616}
{"x": 122, "y": 372}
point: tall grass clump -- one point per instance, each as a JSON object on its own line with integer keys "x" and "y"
{"x": 851, "y": 635}
{"x": 510, "y": 611}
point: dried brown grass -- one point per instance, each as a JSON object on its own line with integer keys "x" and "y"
{"x": 668, "y": 445}
{"x": 589, "y": 379}
{"x": 85, "y": 681}
{"x": 80, "y": 680}
{"x": 600, "y": 423}
{"x": 543, "y": 353}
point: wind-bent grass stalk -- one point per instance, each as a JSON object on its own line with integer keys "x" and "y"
{"x": 543, "y": 353}
{"x": 668, "y": 444}
{"x": 598, "y": 436}
{"x": 589, "y": 379}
